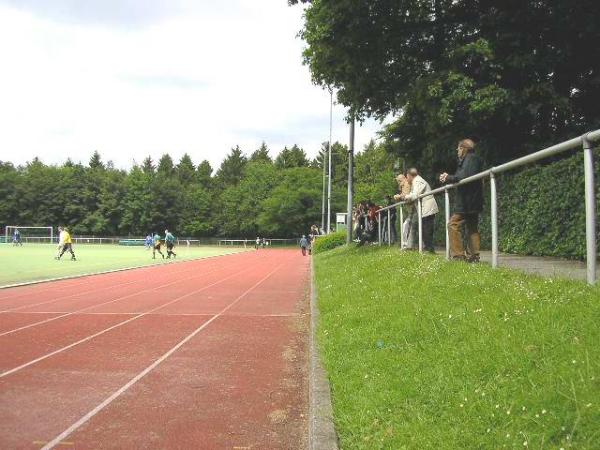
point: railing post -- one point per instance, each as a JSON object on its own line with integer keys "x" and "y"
{"x": 419, "y": 215}
{"x": 590, "y": 210}
{"x": 379, "y": 227}
{"x": 401, "y": 227}
{"x": 389, "y": 227}
{"x": 494, "y": 211}
{"x": 447, "y": 214}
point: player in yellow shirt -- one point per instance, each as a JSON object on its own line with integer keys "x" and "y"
{"x": 65, "y": 243}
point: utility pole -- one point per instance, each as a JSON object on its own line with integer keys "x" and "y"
{"x": 324, "y": 189}
{"x": 329, "y": 172}
{"x": 350, "y": 184}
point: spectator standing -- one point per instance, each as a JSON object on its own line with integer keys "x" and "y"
{"x": 429, "y": 207}
{"x": 408, "y": 227}
{"x": 468, "y": 204}
{"x": 257, "y": 244}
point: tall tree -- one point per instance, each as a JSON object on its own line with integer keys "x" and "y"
{"x": 148, "y": 166}
{"x": 232, "y": 168}
{"x": 186, "y": 170}
{"x": 261, "y": 154}
{"x": 204, "y": 174}
{"x": 291, "y": 157}
{"x": 165, "y": 165}
{"x": 96, "y": 161}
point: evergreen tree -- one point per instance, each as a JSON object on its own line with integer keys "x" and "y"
{"x": 261, "y": 155}
{"x": 165, "y": 165}
{"x": 186, "y": 170}
{"x": 204, "y": 175}
{"x": 292, "y": 157}
{"x": 232, "y": 168}
{"x": 96, "y": 161}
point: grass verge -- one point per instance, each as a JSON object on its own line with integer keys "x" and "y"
{"x": 425, "y": 354}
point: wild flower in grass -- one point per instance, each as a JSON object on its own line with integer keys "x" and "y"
{"x": 544, "y": 411}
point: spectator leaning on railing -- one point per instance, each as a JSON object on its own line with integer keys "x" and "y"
{"x": 408, "y": 227}
{"x": 429, "y": 207}
{"x": 468, "y": 204}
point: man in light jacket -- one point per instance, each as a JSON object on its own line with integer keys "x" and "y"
{"x": 429, "y": 207}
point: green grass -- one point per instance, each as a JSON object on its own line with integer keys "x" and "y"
{"x": 36, "y": 261}
{"x": 425, "y": 354}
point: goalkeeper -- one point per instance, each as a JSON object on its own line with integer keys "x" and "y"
{"x": 65, "y": 243}
{"x": 170, "y": 241}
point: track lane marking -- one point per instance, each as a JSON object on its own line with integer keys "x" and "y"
{"x": 56, "y": 441}
{"x": 70, "y": 313}
{"x": 88, "y": 338}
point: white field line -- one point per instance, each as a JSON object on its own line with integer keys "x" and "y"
{"x": 122, "y": 269}
{"x": 57, "y": 299}
{"x": 106, "y": 330}
{"x": 70, "y": 313}
{"x": 56, "y": 441}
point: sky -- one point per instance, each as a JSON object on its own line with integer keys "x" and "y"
{"x": 137, "y": 78}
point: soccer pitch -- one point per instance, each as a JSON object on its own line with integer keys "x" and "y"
{"x": 34, "y": 262}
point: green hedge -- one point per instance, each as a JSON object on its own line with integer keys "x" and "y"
{"x": 541, "y": 210}
{"x": 329, "y": 242}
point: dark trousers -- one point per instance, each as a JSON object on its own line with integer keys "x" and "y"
{"x": 170, "y": 251}
{"x": 303, "y": 251}
{"x": 428, "y": 233}
{"x": 67, "y": 248}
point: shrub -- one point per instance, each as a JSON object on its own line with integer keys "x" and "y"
{"x": 329, "y": 242}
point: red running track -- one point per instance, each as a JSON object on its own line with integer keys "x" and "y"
{"x": 202, "y": 354}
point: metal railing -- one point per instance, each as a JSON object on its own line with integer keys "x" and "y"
{"x": 585, "y": 142}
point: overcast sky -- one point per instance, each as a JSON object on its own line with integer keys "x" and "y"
{"x": 132, "y": 78}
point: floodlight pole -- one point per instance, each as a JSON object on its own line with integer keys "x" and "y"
{"x": 329, "y": 172}
{"x": 349, "y": 225}
{"x": 324, "y": 193}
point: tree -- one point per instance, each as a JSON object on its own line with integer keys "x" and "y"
{"x": 294, "y": 205}
{"x": 165, "y": 165}
{"x": 96, "y": 161}
{"x": 232, "y": 168}
{"x": 514, "y": 75}
{"x": 186, "y": 170}
{"x": 148, "y": 165}
{"x": 292, "y": 157}
{"x": 261, "y": 154}
{"x": 204, "y": 174}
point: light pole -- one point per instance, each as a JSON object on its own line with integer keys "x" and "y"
{"x": 329, "y": 171}
{"x": 324, "y": 189}
{"x": 350, "y": 184}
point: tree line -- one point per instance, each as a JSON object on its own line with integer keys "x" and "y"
{"x": 248, "y": 195}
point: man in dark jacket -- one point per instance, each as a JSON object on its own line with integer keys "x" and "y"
{"x": 468, "y": 204}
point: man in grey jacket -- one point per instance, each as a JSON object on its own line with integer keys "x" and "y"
{"x": 429, "y": 207}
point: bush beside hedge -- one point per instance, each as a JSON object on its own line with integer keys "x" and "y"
{"x": 329, "y": 242}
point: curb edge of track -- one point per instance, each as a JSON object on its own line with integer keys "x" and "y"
{"x": 122, "y": 269}
{"x": 321, "y": 428}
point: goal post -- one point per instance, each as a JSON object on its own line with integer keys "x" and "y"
{"x": 30, "y": 234}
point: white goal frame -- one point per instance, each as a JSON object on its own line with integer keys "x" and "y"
{"x": 8, "y": 232}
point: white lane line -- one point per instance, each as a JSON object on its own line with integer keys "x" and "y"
{"x": 60, "y": 298}
{"x": 66, "y": 314}
{"x": 106, "y": 330}
{"x": 54, "y": 442}
{"x": 135, "y": 313}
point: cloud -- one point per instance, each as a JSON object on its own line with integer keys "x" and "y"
{"x": 200, "y": 81}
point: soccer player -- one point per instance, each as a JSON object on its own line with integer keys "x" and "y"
{"x": 65, "y": 244}
{"x": 156, "y": 246}
{"x": 170, "y": 241}
{"x": 17, "y": 237}
{"x": 148, "y": 242}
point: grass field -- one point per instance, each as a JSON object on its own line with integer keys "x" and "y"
{"x": 425, "y": 354}
{"x": 33, "y": 262}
